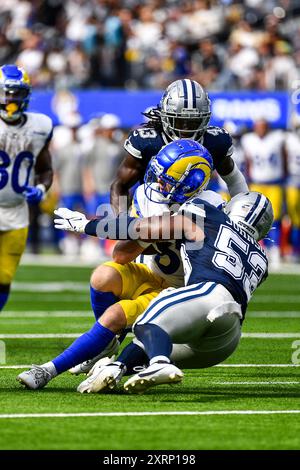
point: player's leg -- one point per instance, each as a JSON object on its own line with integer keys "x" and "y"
{"x": 275, "y": 194}
{"x": 134, "y": 283}
{"x": 293, "y": 207}
{"x": 12, "y": 246}
{"x": 183, "y": 316}
{"x": 115, "y": 320}
{"x": 95, "y": 341}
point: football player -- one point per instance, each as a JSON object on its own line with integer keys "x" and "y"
{"x": 135, "y": 283}
{"x": 183, "y": 113}
{"x": 292, "y": 146}
{"x": 265, "y": 158}
{"x": 198, "y": 325}
{"x": 25, "y": 168}
{"x": 179, "y": 171}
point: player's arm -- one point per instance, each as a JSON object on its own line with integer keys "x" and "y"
{"x": 126, "y": 251}
{"x": 149, "y": 230}
{"x": 233, "y": 177}
{"x": 129, "y": 172}
{"x": 43, "y": 168}
{"x": 43, "y": 177}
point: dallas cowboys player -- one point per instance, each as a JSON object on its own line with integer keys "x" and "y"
{"x": 25, "y": 168}
{"x": 180, "y": 170}
{"x": 184, "y": 113}
{"x": 198, "y": 325}
{"x": 134, "y": 285}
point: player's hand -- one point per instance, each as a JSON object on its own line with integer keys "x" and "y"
{"x": 34, "y": 194}
{"x": 72, "y": 221}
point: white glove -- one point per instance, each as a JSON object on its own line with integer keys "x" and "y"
{"x": 72, "y": 221}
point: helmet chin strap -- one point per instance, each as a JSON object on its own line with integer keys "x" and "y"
{"x": 10, "y": 113}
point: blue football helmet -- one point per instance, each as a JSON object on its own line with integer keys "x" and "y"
{"x": 180, "y": 169}
{"x": 15, "y": 92}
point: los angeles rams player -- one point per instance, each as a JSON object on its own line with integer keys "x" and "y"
{"x": 180, "y": 170}
{"x": 264, "y": 152}
{"x": 25, "y": 168}
{"x": 136, "y": 284}
{"x": 183, "y": 113}
{"x": 198, "y": 325}
{"x": 292, "y": 146}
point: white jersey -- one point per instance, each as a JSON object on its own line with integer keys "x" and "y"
{"x": 19, "y": 148}
{"x": 265, "y": 156}
{"x": 169, "y": 265}
{"x": 292, "y": 145}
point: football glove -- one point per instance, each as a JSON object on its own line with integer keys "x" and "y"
{"x": 34, "y": 194}
{"x": 72, "y": 221}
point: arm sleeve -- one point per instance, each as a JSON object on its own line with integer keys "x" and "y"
{"x": 235, "y": 181}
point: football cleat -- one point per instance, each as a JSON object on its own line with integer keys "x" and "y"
{"x": 158, "y": 373}
{"x": 83, "y": 368}
{"x": 103, "y": 377}
{"x": 35, "y": 378}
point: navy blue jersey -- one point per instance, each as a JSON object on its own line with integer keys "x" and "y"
{"x": 228, "y": 256}
{"x": 145, "y": 142}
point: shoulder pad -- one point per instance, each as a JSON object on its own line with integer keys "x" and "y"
{"x": 218, "y": 142}
{"x": 144, "y": 143}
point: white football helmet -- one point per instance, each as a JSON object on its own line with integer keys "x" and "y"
{"x": 253, "y": 212}
{"x": 184, "y": 110}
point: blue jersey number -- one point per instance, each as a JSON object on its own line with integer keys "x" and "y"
{"x": 236, "y": 259}
{"x": 19, "y": 160}
{"x": 173, "y": 260}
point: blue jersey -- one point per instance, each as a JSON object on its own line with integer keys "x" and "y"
{"x": 145, "y": 142}
{"x": 228, "y": 256}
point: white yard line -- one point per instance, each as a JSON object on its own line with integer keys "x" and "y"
{"x": 257, "y": 365}
{"x": 256, "y": 383}
{"x": 146, "y": 413}
{"x": 76, "y": 335}
{"x": 271, "y": 335}
{"x": 273, "y": 314}
{"x": 28, "y": 366}
{"x": 274, "y": 298}
{"x": 86, "y": 313}
{"x": 61, "y": 260}
{"x": 47, "y": 314}
{"x": 50, "y": 286}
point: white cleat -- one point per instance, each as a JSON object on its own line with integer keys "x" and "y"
{"x": 85, "y": 367}
{"x": 35, "y": 378}
{"x": 103, "y": 378}
{"x": 158, "y": 373}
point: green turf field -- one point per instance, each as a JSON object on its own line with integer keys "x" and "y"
{"x": 250, "y": 402}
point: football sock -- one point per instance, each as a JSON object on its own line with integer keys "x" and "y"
{"x": 274, "y": 235}
{"x": 100, "y": 301}
{"x": 133, "y": 356}
{"x": 87, "y": 346}
{"x": 3, "y": 299}
{"x": 295, "y": 239}
{"x": 155, "y": 340}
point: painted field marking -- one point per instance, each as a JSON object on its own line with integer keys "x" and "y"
{"x": 76, "y": 335}
{"x": 50, "y": 286}
{"x": 28, "y": 366}
{"x": 146, "y": 413}
{"x": 47, "y": 314}
{"x": 257, "y": 383}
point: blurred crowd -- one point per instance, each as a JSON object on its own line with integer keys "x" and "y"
{"x": 86, "y": 157}
{"x": 224, "y": 44}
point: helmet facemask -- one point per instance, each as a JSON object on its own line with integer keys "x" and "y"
{"x": 181, "y": 126}
{"x": 13, "y": 101}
